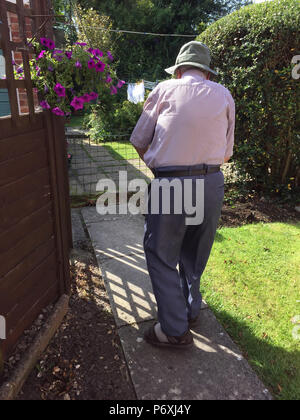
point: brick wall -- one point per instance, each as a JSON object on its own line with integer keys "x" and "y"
{"x": 15, "y": 36}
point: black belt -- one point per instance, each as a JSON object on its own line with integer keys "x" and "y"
{"x": 207, "y": 169}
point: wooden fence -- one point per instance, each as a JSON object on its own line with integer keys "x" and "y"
{"x": 35, "y": 223}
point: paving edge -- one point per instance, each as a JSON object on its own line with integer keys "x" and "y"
{"x": 10, "y": 389}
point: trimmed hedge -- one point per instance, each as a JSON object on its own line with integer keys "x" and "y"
{"x": 252, "y": 48}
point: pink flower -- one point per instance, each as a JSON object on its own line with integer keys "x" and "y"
{"x": 77, "y": 103}
{"x": 94, "y": 96}
{"x": 58, "y": 111}
{"x": 108, "y": 79}
{"x": 86, "y": 97}
{"x": 45, "y": 105}
{"x": 100, "y": 66}
{"x": 78, "y": 65}
{"x": 42, "y": 53}
{"x": 91, "y": 64}
{"x": 97, "y": 53}
{"x": 69, "y": 54}
{"x": 113, "y": 90}
{"x": 44, "y": 41}
{"x": 120, "y": 84}
{"x": 51, "y": 44}
{"x": 110, "y": 56}
{"x": 47, "y": 43}
{"x": 82, "y": 44}
{"x": 60, "y": 90}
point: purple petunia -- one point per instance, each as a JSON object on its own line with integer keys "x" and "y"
{"x": 58, "y": 111}
{"x": 113, "y": 90}
{"x": 110, "y": 56}
{"x": 42, "y": 53}
{"x": 50, "y": 68}
{"x": 91, "y": 64}
{"x": 51, "y": 44}
{"x": 86, "y": 97}
{"x": 69, "y": 54}
{"x": 94, "y": 96}
{"x": 108, "y": 79}
{"x": 20, "y": 70}
{"x": 78, "y": 65}
{"x": 77, "y": 103}
{"x": 97, "y": 53}
{"x": 90, "y": 50}
{"x": 120, "y": 84}
{"x": 45, "y": 105}
{"x": 82, "y": 44}
{"x": 46, "y": 89}
{"x": 44, "y": 41}
{"x": 60, "y": 90}
{"x": 100, "y": 66}
{"x": 47, "y": 43}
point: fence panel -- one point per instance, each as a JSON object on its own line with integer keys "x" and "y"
{"x": 35, "y": 222}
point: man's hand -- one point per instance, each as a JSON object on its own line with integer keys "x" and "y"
{"x": 226, "y": 159}
{"x": 141, "y": 152}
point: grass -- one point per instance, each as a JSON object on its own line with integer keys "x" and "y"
{"x": 252, "y": 283}
{"x": 121, "y": 150}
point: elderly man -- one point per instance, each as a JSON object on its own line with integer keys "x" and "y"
{"x": 186, "y": 131}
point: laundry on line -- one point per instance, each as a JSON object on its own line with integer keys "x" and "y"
{"x": 136, "y": 92}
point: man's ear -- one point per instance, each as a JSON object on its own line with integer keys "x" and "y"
{"x": 208, "y": 76}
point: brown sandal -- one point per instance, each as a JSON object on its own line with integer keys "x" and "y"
{"x": 183, "y": 342}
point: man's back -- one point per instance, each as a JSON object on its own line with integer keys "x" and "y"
{"x": 186, "y": 121}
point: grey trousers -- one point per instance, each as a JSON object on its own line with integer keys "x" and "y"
{"x": 177, "y": 255}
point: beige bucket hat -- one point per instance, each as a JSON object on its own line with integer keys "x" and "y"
{"x": 193, "y": 53}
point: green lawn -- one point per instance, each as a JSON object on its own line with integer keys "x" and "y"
{"x": 252, "y": 283}
{"x": 121, "y": 150}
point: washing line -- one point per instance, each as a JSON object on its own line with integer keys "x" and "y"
{"x": 135, "y": 32}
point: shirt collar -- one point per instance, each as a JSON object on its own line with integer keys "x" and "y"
{"x": 194, "y": 74}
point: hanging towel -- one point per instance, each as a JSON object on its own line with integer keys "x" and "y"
{"x": 136, "y": 92}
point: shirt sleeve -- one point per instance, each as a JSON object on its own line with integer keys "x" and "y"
{"x": 231, "y": 125}
{"x": 144, "y": 130}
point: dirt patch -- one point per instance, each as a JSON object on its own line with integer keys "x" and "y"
{"x": 84, "y": 361}
{"x": 255, "y": 211}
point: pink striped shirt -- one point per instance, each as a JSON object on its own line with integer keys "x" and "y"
{"x": 186, "y": 121}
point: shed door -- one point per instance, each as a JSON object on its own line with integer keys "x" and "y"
{"x": 4, "y": 100}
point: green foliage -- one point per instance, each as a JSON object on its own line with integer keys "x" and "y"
{"x": 88, "y": 23}
{"x": 144, "y": 56}
{"x": 253, "y": 48}
{"x": 112, "y": 120}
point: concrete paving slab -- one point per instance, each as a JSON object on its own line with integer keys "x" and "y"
{"x": 213, "y": 369}
{"x": 129, "y": 288}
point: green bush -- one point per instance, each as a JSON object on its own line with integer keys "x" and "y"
{"x": 252, "y": 48}
{"x": 113, "y": 121}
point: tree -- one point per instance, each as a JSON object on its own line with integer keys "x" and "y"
{"x": 145, "y": 56}
{"x": 88, "y": 23}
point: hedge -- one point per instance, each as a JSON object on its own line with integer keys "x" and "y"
{"x": 252, "y": 49}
